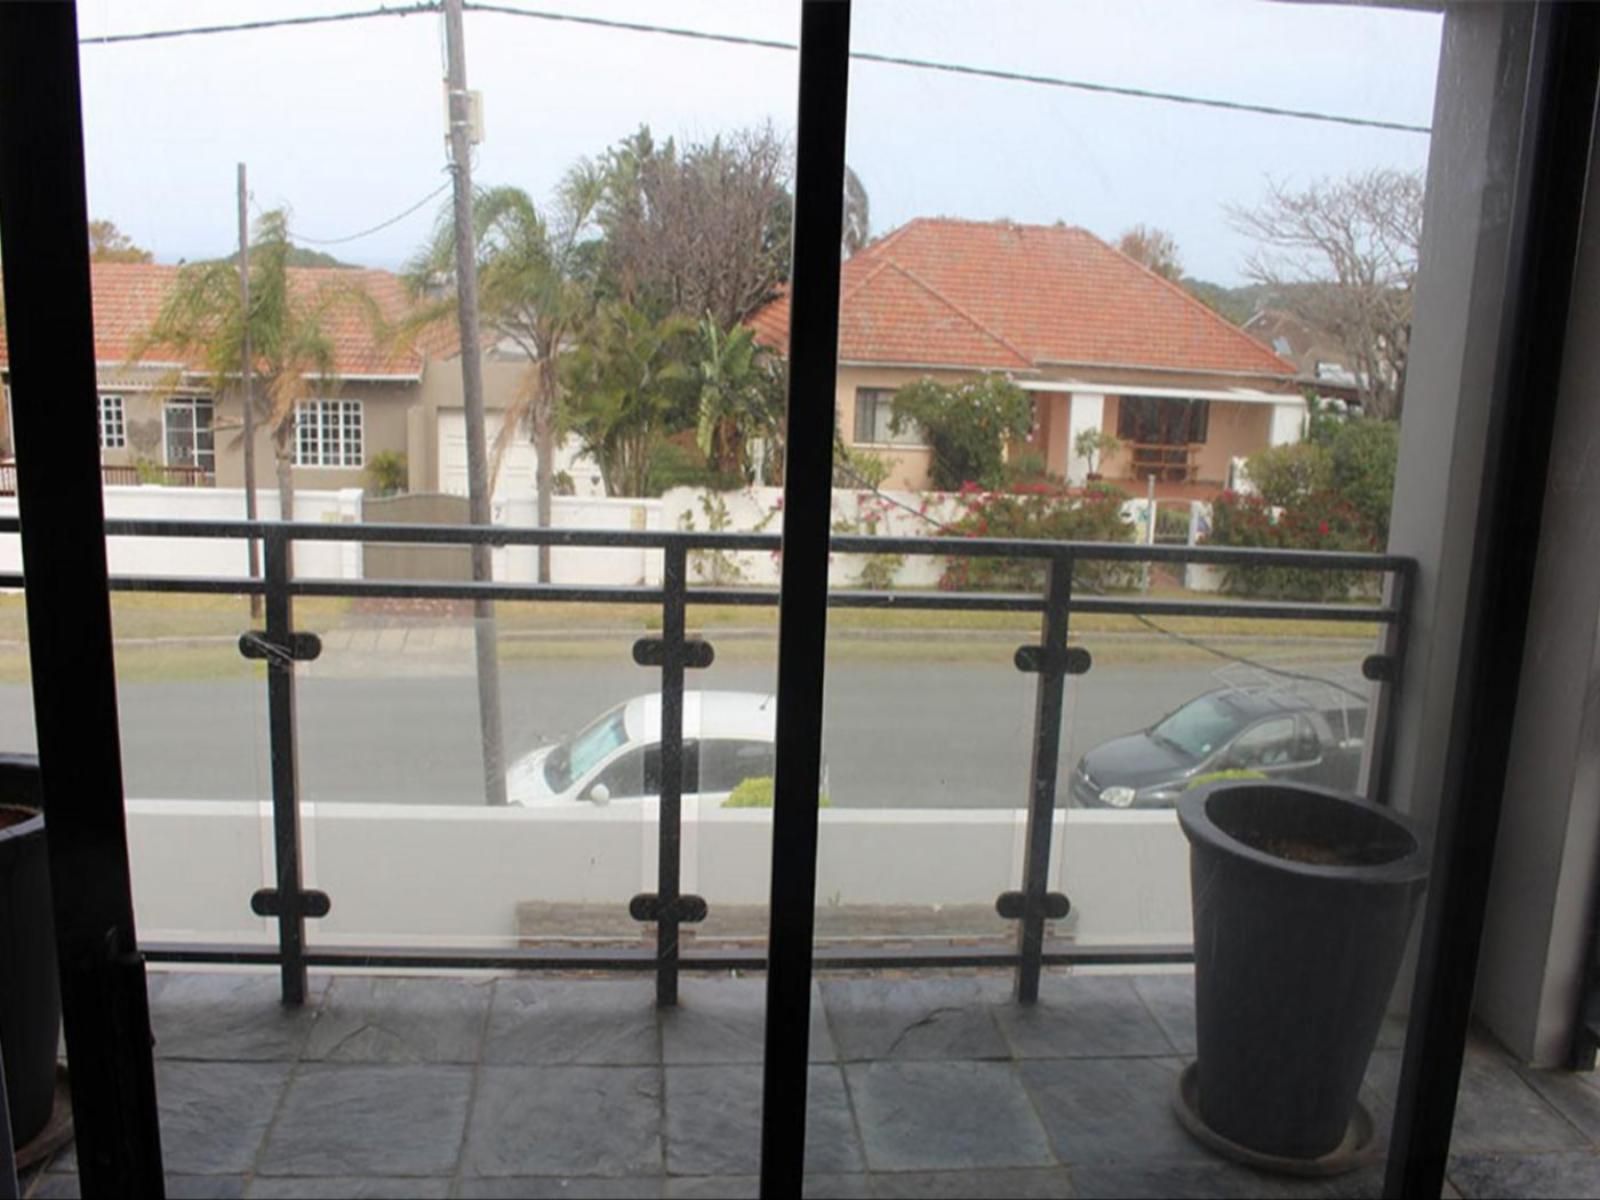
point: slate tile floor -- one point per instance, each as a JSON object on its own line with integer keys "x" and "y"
{"x": 920, "y": 1087}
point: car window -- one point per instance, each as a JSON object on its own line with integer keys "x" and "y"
{"x": 1200, "y": 726}
{"x": 1269, "y": 744}
{"x": 579, "y": 755}
{"x": 726, "y": 763}
{"x": 638, "y": 772}
{"x": 1308, "y": 747}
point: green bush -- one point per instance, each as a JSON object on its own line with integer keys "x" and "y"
{"x": 1323, "y": 520}
{"x": 1027, "y": 467}
{"x": 387, "y": 471}
{"x": 1042, "y": 512}
{"x": 673, "y": 464}
{"x": 1219, "y": 776}
{"x": 1362, "y": 461}
{"x": 967, "y": 426}
{"x": 1285, "y": 475}
{"x": 757, "y": 792}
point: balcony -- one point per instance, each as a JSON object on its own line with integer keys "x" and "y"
{"x": 494, "y": 1085}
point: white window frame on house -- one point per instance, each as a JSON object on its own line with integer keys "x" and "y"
{"x": 113, "y": 422}
{"x": 877, "y": 430}
{"x": 206, "y": 459}
{"x": 330, "y": 434}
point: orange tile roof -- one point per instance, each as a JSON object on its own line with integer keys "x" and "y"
{"x": 939, "y": 292}
{"x": 127, "y": 297}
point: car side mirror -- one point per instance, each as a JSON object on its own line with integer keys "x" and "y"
{"x": 599, "y": 794}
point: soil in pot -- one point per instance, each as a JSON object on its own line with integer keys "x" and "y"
{"x": 11, "y": 815}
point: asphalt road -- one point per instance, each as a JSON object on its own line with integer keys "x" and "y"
{"x": 899, "y": 734}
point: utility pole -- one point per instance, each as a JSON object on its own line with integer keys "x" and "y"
{"x": 484, "y": 634}
{"x": 246, "y": 384}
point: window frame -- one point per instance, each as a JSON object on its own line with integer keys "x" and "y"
{"x": 330, "y": 435}
{"x": 872, "y": 399}
{"x": 193, "y": 404}
{"x": 112, "y": 410}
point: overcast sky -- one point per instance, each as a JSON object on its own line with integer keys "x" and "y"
{"x": 344, "y": 122}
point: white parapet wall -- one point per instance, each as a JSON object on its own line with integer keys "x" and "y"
{"x": 434, "y": 875}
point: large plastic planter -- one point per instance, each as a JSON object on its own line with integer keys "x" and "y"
{"x": 1303, "y": 901}
{"x": 30, "y": 995}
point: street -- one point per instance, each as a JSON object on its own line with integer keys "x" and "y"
{"x": 901, "y": 734}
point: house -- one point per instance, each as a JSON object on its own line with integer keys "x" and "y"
{"x": 1102, "y": 342}
{"x": 1321, "y": 360}
{"x": 160, "y": 421}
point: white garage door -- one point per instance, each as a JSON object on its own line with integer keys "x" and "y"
{"x": 517, "y": 466}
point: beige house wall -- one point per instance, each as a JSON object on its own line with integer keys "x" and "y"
{"x": 505, "y": 381}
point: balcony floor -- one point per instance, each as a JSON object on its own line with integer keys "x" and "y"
{"x": 921, "y": 1086}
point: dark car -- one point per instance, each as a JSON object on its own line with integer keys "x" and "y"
{"x": 1275, "y": 732}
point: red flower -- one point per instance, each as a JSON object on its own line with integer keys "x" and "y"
{"x": 1322, "y": 528}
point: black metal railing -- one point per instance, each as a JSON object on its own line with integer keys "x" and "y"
{"x": 1051, "y": 659}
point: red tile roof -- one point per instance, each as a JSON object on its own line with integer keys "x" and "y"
{"x": 127, "y": 297}
{"x": 995, "y": 295}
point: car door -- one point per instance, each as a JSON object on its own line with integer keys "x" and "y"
{"x": 725, "y": 763}
{"x": 635, "y": 774}
{"x": 1267, "y": 746}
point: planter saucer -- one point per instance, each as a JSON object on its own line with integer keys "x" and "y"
{"x": 1355, "y": 1151}
{"x": 57, "y": 1131}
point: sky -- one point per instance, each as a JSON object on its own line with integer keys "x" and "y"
{"x": 343, "y": 123}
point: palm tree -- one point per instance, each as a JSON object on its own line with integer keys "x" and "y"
{"x": 201, "y": 319}
{"x": 533, "y": 290}
{"x": 627, "y": 380}
{"x": 857, "y": 213}
{"x": 735, "y": 395}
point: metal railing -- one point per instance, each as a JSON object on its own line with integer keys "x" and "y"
{"x": 674, "y": 652}
{"x": 119, "y": 475}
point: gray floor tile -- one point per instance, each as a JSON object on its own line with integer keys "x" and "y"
{"x": 1575, "y": 1094}
{"x": 714, "y": 1121}
{"x": 1222, "y": 1182}
{"x": 366, "y": 1018}
{"x": 610, "y": 1022}
{"x": 1106, "y": 1110}
{"x": 945, "y": 1116}
{"x": 63, "y": 1186}
{"x": 1495, "y": 1110}
{"x": 214, "y": 1115}
{"x": 1170, "y": 999}
{"x": 835, "y": 1187}
{"x": 348, "y": 1188}
{"x": 556, "y": 1121}
{"x": 1083, "y": 1016}
{"x": 1526, "y": 1175}
{"x": 343, "y": 1120}
{"x": 546, "y": 1188}
{"x": 725, "y": 1021}
{"x": 240, "y": 1018}
{"x": 712, "y": 1187}
{"x": 1039, "y": 1183}
{"x": 205, "y": 1187}
{"x": 914, "y": 1018}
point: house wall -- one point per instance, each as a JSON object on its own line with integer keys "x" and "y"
{"x": 504, "y": 381}
{"x": 908, "y": 465}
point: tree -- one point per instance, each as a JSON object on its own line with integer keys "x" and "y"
{"x": 534, "y": 289}
{"x": 1342, "y": 255}
{"x": 701, "y": 230}
{"x": 201, "y": 318}
{"x": 107, "y": 243}
{"x": 1153, "y": 248}
{"x": 736, "y": 399}
{"x": 967, "y": 425}
{"x": 626, "y": 381}
{"x": 857, "y": 213}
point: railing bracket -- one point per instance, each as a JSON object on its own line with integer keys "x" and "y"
{"x": 301, "y": 647}
{"x": 1380, "y": 668}
{"x": 268, "y": 902}
{"x": 687, "y": 910}
{"x": 1035, "y": 660}
{"x": 1013, "y": 906}
{"x": 652, "y": 652}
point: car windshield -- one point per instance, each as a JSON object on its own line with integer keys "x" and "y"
{"x": 575, "y": 757}
{"x": 1199, "y": 727}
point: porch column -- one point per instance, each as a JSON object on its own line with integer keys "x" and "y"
{"x": 1086, "y": 410}
{"x": 1288, "y": 422}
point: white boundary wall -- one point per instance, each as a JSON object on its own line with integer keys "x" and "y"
{"x": 892, "y": 514}
{"x": 432, "y": 874}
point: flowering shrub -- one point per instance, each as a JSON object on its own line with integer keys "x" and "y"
{"x": 1037, "y": 512}
{"x": 1319, "y": 520}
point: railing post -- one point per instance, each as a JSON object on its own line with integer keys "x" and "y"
{"x": 669, "y": 844}
{"x": 1053, "y": 668}
{"x": 285, "y": 766}
{"x": 1383, "y": 670}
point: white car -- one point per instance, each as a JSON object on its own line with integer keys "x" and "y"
{"x": 727, "y": 738}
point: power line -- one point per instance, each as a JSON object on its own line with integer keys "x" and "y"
{"x": 730, "y": 39}
{"x": 924, "y": 64}
{"x": 152, "y": 35}
{"x": 400, "y": 216}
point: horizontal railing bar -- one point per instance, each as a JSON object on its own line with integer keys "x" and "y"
{"x": 1112, "y": 605}
{"x": 657, "y": 539}
{"x": 592, "y": 958}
